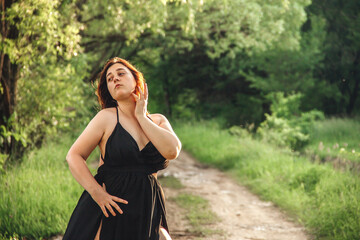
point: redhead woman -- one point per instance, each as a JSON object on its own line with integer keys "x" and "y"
{"x": 124, "y": 200}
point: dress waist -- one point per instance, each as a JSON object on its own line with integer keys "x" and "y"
{"x": 156, "y": 189}
{"x": 146, "y": 169}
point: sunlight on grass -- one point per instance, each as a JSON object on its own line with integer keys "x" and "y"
{"x": 198, "y": 213}
{"x": 325, "y": 200}
{"x": 40, "y": 194}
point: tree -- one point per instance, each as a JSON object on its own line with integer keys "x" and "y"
{"x": 342, "y": 51}
{"x": 35, "y": 34}
{"x": 225, "y": 38}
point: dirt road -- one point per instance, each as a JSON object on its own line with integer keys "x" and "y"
{"x": 243, "y": 216}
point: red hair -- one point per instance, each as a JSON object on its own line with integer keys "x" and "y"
{"x": 102, "y": 92}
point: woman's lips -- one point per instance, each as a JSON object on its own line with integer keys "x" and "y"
{"x": 117, "y": 85}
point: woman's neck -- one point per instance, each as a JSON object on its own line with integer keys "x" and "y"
{"x": 127, "y": 107}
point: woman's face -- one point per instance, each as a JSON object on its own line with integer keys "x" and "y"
{"x": 120, "y": 81}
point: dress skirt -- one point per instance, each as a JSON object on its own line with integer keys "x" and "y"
{"x": 141, "y": 217}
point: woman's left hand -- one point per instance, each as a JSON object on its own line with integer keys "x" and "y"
{"x": 141, "y": 102}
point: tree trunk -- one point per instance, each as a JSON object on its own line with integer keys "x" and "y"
{"x": 9, "y": 74}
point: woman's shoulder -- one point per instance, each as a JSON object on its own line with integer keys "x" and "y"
{"x": 104, "y": 115}
{"x": 105, "y": 112}
{"x": 158, "y": 118}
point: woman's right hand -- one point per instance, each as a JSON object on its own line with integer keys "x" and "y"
{"x": 105, "y": 200}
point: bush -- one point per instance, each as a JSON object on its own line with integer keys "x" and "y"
{"x": 287, "y": 125}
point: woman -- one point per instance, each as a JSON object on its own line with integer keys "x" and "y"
{"x": 123, "y": 200}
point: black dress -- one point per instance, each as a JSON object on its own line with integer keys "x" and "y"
{"x": 126, "y": 173}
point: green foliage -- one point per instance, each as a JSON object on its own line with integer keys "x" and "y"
{"x": 288, "y": 70}
{"x": 116, "y": 28}
{"x": 47, "y": 79}
{"x": 253, "y": 26}
{"x": 185, "y": 105}
{"x": 6, "y": 135}
{"x": 339, "y": 67}
{"x": 307, "y": 180}
{"x": 224, "y": 37}
{"x": 247, "y": 109}
{"x": 239, "y": 132}
{"x": 40, "y": 194}
{"x": 336, "y": 206}
{"x": 180, "y": 45}
{"x": 335, "y": 138}
{"x": 52, "y": 98}
{"x": 44, "y": 28}
{"x": 287, "y": 126}
{"x": 215, "y": 155}
{"x": 3, "y": 158}
{"x": 326, "y": 201}
{"x": 122, "y": 19}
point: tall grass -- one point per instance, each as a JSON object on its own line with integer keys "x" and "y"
{"x": 336, "y": 137}
{"x": 38, "y": 196}
{"x": 326, "y": 201}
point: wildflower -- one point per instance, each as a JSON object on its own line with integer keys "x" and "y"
{"x": 342, "y": 149}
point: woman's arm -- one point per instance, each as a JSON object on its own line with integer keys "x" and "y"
{"x": 163, "y": 136}
{"x": 76, "y": 159}
{"x": 80, "y": 151}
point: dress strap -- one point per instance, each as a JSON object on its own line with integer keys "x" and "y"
{"x": 117, "y": 114}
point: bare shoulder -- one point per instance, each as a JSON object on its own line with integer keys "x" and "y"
{"x": 93, "y": 133}
{"x": 158, "y": 118}
{"x": 161, "y": 121}
{"x": 105, "y": 113}
{"x": 103, "y": 120}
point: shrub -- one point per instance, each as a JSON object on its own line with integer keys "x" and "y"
{"x": 287, "y": 125}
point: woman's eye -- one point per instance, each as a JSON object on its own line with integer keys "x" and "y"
{"x": 120, "y": 74}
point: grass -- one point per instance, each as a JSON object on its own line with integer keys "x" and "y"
{"x": 326, "y": 201}
{"x": 197, "y": 209}
{"x": 197, "y": 212}
{"x": 336, "y": 138}
{"x": 170, "y": 182}
{"x": 39, "y": 195}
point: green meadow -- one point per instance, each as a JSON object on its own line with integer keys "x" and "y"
{"x": 336, "y": 138}
{"x": 326, "y": 201}
{"x": 39, "y": 195}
